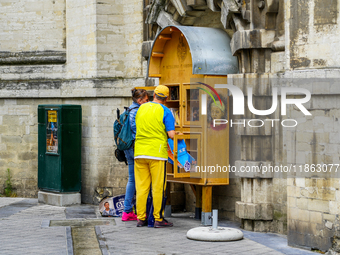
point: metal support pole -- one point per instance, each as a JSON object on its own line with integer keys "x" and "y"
{"x": 215, "y": 219}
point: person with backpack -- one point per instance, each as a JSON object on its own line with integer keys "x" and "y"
{"x": 155, "y": 123}
{"x": 139, "y": 97}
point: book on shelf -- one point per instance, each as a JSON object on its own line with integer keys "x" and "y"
{"x": 174, "y": 93}
{"x": 175, "y": 113}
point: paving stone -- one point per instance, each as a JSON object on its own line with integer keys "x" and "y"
{"x": 28, "y": 231}
{"x": 4, "y": 201}
{"x": 21, "y": 231}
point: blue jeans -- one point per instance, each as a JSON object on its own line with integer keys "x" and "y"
{"x": 130, "y": 187}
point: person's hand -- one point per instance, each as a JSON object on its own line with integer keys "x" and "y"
{"x": 178, "y": 133}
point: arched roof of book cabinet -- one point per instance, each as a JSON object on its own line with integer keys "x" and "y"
{"x": 209, "y": 48}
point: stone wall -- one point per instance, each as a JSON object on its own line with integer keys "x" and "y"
{"x": 32, "y": 25}
{"x": 18, "y": 139}
{"x": 81, "y": 41}
{"x": 313, "y": 195}
{"x": 119, "y": 38}
{"x": 225, "y": 197}
{"x": 81, "y": 67}
{"x": 313, "y": 200}
{"x": 262, "y": 203}
{"x": 311, "y": 28}
{"x": 104, "y": 39}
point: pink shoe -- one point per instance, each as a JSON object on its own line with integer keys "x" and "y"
{"x": 133, "y": 216}
{"x": 125, "y": 216}
{"x": 129, "y": 216}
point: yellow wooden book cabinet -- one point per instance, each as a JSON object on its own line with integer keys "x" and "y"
{"x": 191, "y": 61}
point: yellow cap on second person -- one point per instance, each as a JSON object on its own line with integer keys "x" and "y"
{"x": 162, "y": 91}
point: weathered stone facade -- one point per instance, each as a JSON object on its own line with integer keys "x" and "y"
{"x": 67, "y": 52}
{"x": 313, "y": 197}
{"x": 89, "y": 53}
{"x": 33, "y": 25}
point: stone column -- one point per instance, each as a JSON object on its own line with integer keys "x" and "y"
{"x": 256, "y": 206}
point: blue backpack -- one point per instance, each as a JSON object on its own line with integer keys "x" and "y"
{"x": 122, "y": 130}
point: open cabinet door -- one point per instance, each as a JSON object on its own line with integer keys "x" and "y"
{"x": 184, "y": 165}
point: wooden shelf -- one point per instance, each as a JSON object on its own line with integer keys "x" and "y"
{"x": 155, "y": 75}
{"x": 164, "y": 37}
{"x": 170, "y": 84}
{"x": 157, "y": 54}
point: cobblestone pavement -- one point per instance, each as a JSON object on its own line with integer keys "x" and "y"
{"x": 21, "y": 232}
{"x": 127, "y": 239}
{"x": 9, "y": 200}
{"x": 25, "y": 229}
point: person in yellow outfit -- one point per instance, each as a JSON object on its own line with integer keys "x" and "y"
{"x": 155, "y": 123}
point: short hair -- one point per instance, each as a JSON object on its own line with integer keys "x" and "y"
{"x": 160, "y": 98}
{"x": 106, "y": 202}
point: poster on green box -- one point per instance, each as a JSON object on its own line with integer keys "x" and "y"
{"x": 52, "y": 132}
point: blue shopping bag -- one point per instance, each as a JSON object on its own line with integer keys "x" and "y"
{"x": 184, "y": 159}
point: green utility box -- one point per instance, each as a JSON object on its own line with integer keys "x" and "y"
{"x": 59, "y": 148}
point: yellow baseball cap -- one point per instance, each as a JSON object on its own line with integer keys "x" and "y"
{"x": 162, "y": 91}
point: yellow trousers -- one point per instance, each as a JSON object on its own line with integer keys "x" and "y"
{"x": 149, "y": 171}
